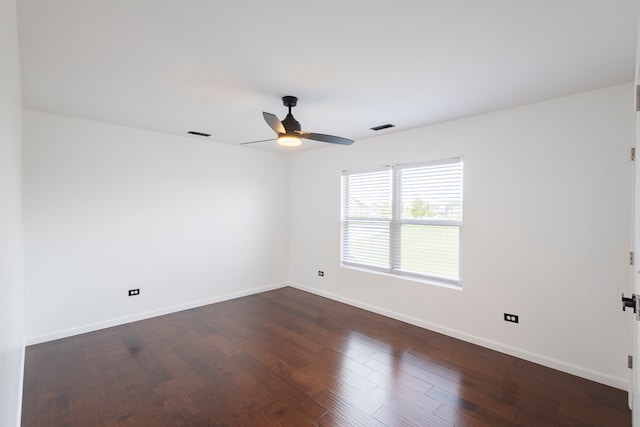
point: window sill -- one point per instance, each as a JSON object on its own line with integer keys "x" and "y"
{"x": 432, "y": 282}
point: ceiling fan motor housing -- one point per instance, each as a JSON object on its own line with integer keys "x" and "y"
{"x": 290, "y": 123}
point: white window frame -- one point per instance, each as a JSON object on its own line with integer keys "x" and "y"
{"x": 395, "y": 223}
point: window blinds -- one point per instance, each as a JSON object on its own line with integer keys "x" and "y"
{"x": 405, "y": 219}
{"x": 429, "y": 220}
{"x": 367, "y": 213}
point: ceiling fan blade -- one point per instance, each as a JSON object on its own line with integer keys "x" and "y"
{"x": 326, "y": 138}
{"x": 274, "y": 123}
{"x": 262, "y": 140}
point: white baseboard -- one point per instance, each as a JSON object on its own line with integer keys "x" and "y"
{"x": 620, "y": 383}
{"x": 64, "y": 333}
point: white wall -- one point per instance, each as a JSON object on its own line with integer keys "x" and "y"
{"x": 108, "y": 209}
{"x": 11, "y": 240}
{"x": 546, "y": 233}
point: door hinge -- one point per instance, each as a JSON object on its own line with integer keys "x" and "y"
{"x": 630, "y": 361}
{"x": 633, "y": 154}
{"x": 638, "y": 98}
{"x": 633, "y": 303}
{"x": 631, "y": 258}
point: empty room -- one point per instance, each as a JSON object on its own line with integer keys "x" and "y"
{"x": 296, "y": 213}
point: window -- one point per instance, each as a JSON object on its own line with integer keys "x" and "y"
{"x": 404, "y": 220}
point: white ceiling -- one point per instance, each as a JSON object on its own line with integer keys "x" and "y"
{"x": 214, "y": 66}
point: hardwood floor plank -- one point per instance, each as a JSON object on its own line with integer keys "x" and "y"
{"x": 53, "y": 408}
{"x": 178, "y": 407}
{"x": 332, "y": 420}
{"x": 29, "y": 405}
{"x": 293, "y": 359}
{"x": 224, "y": 404}
{"x": 468, "y": 417}
{"x": 477, "y": 403}
{"x": 147, "y": 361}
{"x": 290, "y": 334}
{"x": 86, "y": 411}
{"x": 223, "y": 344}
{"x": 50, "y": 378}
{"x": 179, "y": 370}
{"x": 112, "y": 396}
{"x": 589, "y": 414}
{"x": 353, "y": 414}
{"x": 340, "y": 371}
{"x": 258, "y": 374}
{"x": 398, "y": 414}
{"x": 308, "y": 384}
{"x": 30, "y": 389}
{"x": 385, "y": 380}
{"x": 296, "y": 410}
{"x": 75, "y": 370}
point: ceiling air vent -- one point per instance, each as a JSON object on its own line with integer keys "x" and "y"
{"x": 192, "y": 132}
{"x": 387, "y": 126}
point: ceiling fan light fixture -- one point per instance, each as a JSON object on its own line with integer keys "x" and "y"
{"x": 288, "y": 140}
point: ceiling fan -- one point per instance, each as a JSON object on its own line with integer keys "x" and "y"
{"x": 288, "y": 130}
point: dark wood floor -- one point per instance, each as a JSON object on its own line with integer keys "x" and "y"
{"x": 290, "y": 358}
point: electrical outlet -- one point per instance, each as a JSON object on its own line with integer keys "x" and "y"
{"x": 134, "y": 292}
{"x": 320, "y": 273}
{"x": 513, "y": 318}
